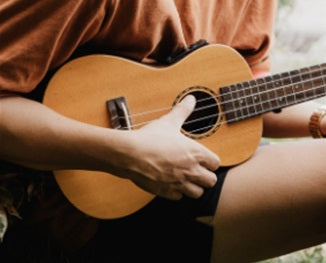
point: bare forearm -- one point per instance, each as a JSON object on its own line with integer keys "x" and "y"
{"x": 157, "y": 157}
{"x": 291, "y": 122}
{"x": 35, "y": 136}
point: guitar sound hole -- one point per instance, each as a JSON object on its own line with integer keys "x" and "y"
{"x": 205, "y": 115}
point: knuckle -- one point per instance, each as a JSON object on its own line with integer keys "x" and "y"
{"x": 198, "y": 193}
{"x": 177, "y": 196}
{"x": 191, "y": 156}
{"x": 191, "y": 174}
{"x": 213, "y": 181}
{"x": 192, "y": 190}
{"x": 200, "y": 155}
{"x": 169, "y": 192}
{"x": 178, "y": 175}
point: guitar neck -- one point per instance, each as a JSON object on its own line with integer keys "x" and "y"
{"x": 272, "y": 93}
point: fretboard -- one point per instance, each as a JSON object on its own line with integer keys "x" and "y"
{"x": 272, "y": 93}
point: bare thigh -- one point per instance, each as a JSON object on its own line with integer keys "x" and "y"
{"x": 273, "y": 204}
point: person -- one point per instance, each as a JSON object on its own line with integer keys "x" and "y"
{"x": 272, "y": 204}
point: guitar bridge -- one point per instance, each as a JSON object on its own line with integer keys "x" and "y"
{"x": 119, "y": 114}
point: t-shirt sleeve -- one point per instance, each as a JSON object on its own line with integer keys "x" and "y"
{"x": 255, "y": 35}
{"x": 37, "y": 36}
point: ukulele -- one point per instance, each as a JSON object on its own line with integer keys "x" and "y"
{"x": 117, "y": 93}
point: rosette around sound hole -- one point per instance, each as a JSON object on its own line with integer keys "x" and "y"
{"x": 204, "y": 120}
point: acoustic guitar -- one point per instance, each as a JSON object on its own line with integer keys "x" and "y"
{"x": 117, "y": 93}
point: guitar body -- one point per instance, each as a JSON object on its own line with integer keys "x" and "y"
{"x": 80, "y": 89}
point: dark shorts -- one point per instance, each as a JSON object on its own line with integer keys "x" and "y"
{"x": 163, "y": 231}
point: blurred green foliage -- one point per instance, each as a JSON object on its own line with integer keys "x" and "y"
{"x": 311, "y": 255}
{"x": 285, "y": 3}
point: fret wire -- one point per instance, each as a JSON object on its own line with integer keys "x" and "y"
{"x": 259, "y": 93}
{"x": 239, "y": 100}
{"x": 272, "y": 91}
{"x": 317, "y": 81}
{"x": 300, "y": 75}
{"x": 292, "y": 88}
{"x": 278, "y": 90}
{"x": 242, "y": 101}
{"x": 318, "y": 75}
{"x": 320, "y": 81}
{"x": 267, "y": 93}
{"x": 312, "y": 82}
{"x": 253, "y": 98}
{"x": 322, "y": 76}
{"x": 284, "y": 88}
{"x": 300, "y": 83}
{"x": 250, "y": 98}
{"x": 287, "y": 84}
{"x": 307, "y": 81}
{"x": 234, "y": 101}
{"x": 275, "y": 96}
{"x": 229, "y": 94}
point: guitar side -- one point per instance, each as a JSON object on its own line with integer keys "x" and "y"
{"x": 80, "y": 89}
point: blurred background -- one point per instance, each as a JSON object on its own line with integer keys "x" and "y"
{"x": 300, "y": 41}
{"x": 300, "y": 34}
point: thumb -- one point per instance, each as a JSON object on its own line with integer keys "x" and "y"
{"x": 182, "y": 110}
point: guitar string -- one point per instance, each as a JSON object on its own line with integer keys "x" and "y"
{"x": 223, "y": 122}
{"x": 236, "y": 91}
{"x": 249, "y": 96}
{"x": 257, "y": 85}
{"x": 234, "y": 119}
{"x": 251, "y": 114}
{"x": 261, "y": 93}
{"x": 243, "y": 107}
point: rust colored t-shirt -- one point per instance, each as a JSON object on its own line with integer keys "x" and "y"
{"x": 38, "y": 36}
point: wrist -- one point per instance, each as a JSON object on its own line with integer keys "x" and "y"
{"x": 116, "y": 152}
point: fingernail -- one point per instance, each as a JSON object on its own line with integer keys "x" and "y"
{"x": 190, "y": 100}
